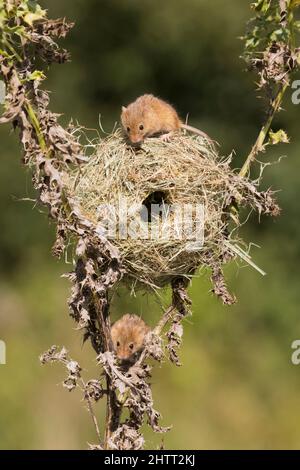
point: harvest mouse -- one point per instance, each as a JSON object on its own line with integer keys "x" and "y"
{"x": 149, "y": 116}
{"x": 128, "y": 336}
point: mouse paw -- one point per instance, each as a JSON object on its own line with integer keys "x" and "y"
{"x": 166, "y": 137}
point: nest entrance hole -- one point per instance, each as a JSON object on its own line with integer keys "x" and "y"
{"x": 156, "y": 204}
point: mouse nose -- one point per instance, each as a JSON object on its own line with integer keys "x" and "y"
{"x": 123, "y": 355}
{"x": 136, "y": 140}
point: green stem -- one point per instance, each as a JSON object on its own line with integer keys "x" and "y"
{"x": 275, "y": 105}
{"x": 12, "y": 50}
{"x": 291, "y": 23}
{"x": 35, "y": 123}
{"x": 30, "y": 111}
{"x": 258, "y": 146}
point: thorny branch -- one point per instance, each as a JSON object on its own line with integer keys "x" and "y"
{"x": 50, "y": 151}
{"x": 92, "y": 390}
{"x": 271, "y": 50}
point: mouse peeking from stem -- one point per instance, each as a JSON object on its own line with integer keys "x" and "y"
{"x": 128, "y": 336}
{"x": 149, "y": 116}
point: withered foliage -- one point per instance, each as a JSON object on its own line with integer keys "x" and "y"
{"x": 51, "y": 152}
{"x": 270, "y": 42}
{"x": 73, "y": 368}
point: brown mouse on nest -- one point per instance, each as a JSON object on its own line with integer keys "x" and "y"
{"x": 128, "y": 336}
{"x": 149, "y": 116}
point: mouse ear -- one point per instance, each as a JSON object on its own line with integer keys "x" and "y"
{"x": 124, "y": 109}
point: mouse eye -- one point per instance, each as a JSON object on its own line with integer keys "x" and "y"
{"x": 131, "y": 346}
{"x": 141, "y": 127}
{"x": 118, "y": 344}
{"x": 128, "y": 129}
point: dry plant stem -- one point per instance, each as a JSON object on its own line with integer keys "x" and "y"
{"x": 113, "y": 409}
{"x": 165, "y": 319}
{"x": 113, "y": 413}
{"x": 103, "y": 319}
{"x": 167, "y": 316}
{"x": 91, "y": 411}
{"x": 258, "y": 146}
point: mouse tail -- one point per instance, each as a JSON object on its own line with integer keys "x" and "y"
{"x": 195, "y": 131}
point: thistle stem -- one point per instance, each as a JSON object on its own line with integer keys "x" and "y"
{"x": 36, "y": 125}
{"x": 259, "y": 144}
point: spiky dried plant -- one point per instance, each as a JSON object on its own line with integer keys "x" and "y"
{"x": 53, "y": 155}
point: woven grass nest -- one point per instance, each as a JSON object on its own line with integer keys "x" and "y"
{"x": 185, "y": 171}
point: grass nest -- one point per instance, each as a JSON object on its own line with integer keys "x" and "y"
{"x": 118, "y": 182}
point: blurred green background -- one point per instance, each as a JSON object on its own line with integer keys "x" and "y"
{"x": 237, "y": 387}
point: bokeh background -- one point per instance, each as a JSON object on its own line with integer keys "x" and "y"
{"x": 237, "y": 387}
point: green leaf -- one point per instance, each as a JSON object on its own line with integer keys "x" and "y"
{"x": 9, "y": 7}
{"x": 279, "y": 137}
{"x": 31, "y": 17}
{"x": 4, "y": 53}
{"x": 37, "y": 75}
{"x": 262, "y": 5}
{"x": 19, "y": 30}
{"x": 277, "y": 34}
{"x": 2, "y": 18}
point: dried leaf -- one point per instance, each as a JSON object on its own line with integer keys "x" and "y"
{"x": 220, "y": 288}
